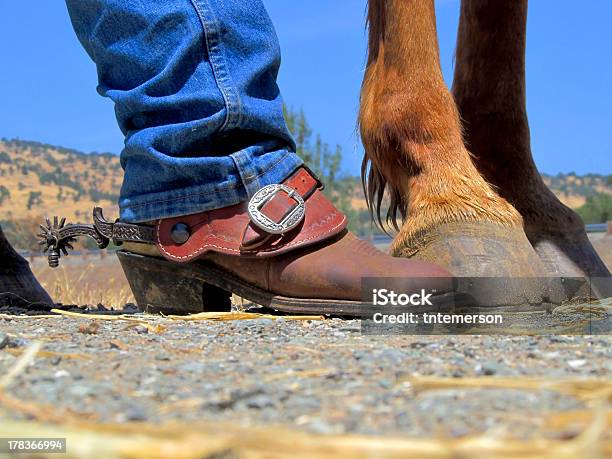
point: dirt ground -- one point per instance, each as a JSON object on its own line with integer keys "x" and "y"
{"x": 321, "y": 377}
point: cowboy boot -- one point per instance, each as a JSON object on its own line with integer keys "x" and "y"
{"x": 18, "y": 286}
{"x": 287, "y": 249}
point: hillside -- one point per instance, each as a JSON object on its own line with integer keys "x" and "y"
{"x": 573, "y": 190}
{"x": 37, "y": 179}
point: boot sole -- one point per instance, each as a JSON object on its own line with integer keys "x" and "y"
{"x": 163, "y": 286}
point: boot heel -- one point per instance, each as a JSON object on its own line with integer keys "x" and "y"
{"x": 161, "y": 286}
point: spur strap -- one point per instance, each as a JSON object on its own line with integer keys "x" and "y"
{"x": 278, "y": 218}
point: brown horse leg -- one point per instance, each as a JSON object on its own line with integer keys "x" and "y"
{"x": 489, "y": 89}
{"x": 18, "y": 286}
{"x": 414, "y": 148}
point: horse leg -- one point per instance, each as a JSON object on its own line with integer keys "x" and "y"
{"x": 489, "y": 89}
{"x": 18, "y": 286}
{"x": 414, "y": 149}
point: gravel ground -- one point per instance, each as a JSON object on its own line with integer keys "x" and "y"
{"x": 320, "y": 376}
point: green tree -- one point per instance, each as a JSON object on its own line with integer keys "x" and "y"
{"x": 597, "y": 209}
{"x": 4, "y": 193}
{"x": 34, "y": 199}
{"x": 326, "y": 164}
{"x": 317, "y": 155}
{"x": 299, "y": 128}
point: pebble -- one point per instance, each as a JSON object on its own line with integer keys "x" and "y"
{"x": 193, "y": 367}
{"x": 17, "y": 342}
{"x": 356, "y": 409}
{"x": 576, "y": 363}
{"x": 135, "y": 413}
{"x": 393, "y": 355}
{"x": 319, "y": 426}
{"x": 79, "y": 391}
{"x": 265, "y": 322}
{"x": 559, "y": 339}
{"x": 4, "y": 340}
{"x": 323, "y": 377}
{"x": 260, "y": 402}
{"x": 487, "y": 368}
{"x": 303, "y": 403}
{"x": 141, "y": 329}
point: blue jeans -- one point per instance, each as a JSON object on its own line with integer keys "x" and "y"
{"x": 194, "y": 86}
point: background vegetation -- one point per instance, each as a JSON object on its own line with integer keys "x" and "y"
{"x": 38, "y": 180}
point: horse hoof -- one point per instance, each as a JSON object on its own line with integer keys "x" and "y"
{"x": 571, "y": 254}
{"x": 567, "y": 253}
{"x": 19, "y": 287}
{"x": 603, "y": 246}
{"x": 496, "y": 264}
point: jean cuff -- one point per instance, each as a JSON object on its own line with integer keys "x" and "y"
{"x": 195, "y": 199}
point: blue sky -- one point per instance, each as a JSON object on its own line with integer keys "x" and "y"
{"x": 48, "y": 82}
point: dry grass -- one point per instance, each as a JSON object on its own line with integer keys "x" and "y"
{"x": 134, "y": 321}
{"x": 225, "y": 316}
{"x": 88, "y": 439}
{"x": 219, "y": 440}
{"x": 85, "y": 279}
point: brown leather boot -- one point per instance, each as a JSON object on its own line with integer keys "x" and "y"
{"x": 287, "y": 248}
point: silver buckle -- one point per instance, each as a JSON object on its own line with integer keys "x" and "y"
{"x": 262, "y": 221}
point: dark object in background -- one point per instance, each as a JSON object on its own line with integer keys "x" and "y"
{"x": 18, "y": 286}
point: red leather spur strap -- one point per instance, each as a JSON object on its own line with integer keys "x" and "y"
{"x": 230, "y": 230}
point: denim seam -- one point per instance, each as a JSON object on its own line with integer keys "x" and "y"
{"x": 250, "y": 179}
{"x": 180, "y": 198}
{"x": 225, "y": 189}
{"x": 219, "y": 64}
